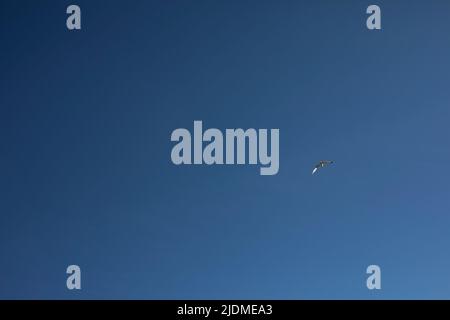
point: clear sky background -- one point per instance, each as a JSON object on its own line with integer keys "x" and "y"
{"x": 85, "y": 170}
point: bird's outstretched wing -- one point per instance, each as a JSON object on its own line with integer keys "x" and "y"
{"x": 321, "y": 164}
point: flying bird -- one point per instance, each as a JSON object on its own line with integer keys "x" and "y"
{"x": 321, "y": 164}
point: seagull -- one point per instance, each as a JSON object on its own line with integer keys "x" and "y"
{"x": 321, "y": 164}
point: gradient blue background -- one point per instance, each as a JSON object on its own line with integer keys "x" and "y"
{"x": 86, "y": 175}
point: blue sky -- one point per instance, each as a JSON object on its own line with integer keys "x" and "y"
{"x": 86, "y": 176}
